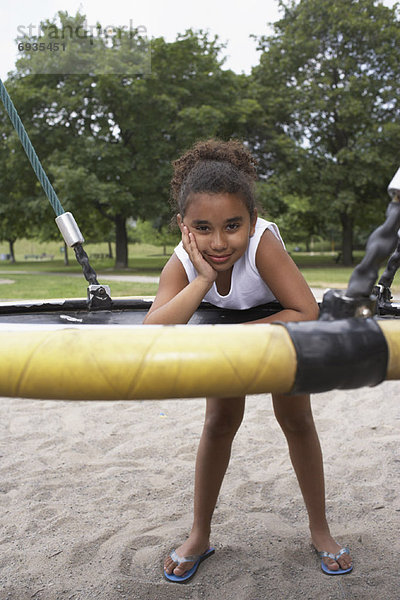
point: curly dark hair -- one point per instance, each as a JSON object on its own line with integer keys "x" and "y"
{"x": 214, "y": 167}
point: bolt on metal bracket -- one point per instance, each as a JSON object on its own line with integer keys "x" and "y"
{"x": 99, "y": 297}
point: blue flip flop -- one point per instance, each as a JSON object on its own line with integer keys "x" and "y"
{"x": 339, "y": 571}
{"x": 197, "y": 559}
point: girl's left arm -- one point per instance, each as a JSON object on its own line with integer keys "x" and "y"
{"x": 285, "y": 281}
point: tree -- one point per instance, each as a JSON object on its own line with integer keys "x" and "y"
{"x": 20, "y": 210}
{"x": 298, "y": 217}
{"x": 329, "y": 78}
{"x": 90, "y": 172}
{"x": 155, "y": 233}
{"x": 108, "y": 138}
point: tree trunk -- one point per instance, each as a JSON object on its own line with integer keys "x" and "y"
{"x": 66, "y": 259}
{"x": 110, "y": 252}
{"x": 11, "y": 246}
{"x": 347, "y": 239}
{"x": 121, "y": 242}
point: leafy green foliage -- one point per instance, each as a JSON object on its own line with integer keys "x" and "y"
{"x": 329, "y": 78}
{"x": 108, "y": 138}
{"x": 146, "y": 232}
{"x": 320, "y": 111}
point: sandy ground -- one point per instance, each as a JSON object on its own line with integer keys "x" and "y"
{"x": 93, "y": 494}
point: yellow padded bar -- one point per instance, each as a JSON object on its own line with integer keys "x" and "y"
{"x": 391, "y": 331}
{"x": 142, "y": 362}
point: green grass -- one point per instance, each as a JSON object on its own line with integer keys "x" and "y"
{"x": 36, "y": 279}
{"x": 320, "y": 259}
{"x": 322, "y": 277}
{"x": 142, "y": 256}
{"x": 38, "y": 286}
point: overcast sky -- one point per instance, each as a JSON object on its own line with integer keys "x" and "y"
{"x": 232, "y": 20}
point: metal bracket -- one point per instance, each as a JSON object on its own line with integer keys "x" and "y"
{"x": 336, "y": 305}
{"x": 99, "y": 297}
{"x": 384, "y": 304}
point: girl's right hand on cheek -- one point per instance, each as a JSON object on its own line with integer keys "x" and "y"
{"x": 203, "y": 268}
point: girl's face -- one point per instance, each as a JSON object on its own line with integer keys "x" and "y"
{"x": 222, "y": 227}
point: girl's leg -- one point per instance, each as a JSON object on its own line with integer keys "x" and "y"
{"x": 295, "y": 417}
{"x": 222, "y": 420}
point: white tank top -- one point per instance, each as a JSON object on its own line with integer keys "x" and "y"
{"x": 247, "y": 286}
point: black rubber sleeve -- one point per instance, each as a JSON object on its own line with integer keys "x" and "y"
{"x": 343, "y": 354}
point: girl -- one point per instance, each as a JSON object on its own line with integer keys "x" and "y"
{"x": 233, "y": 259}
